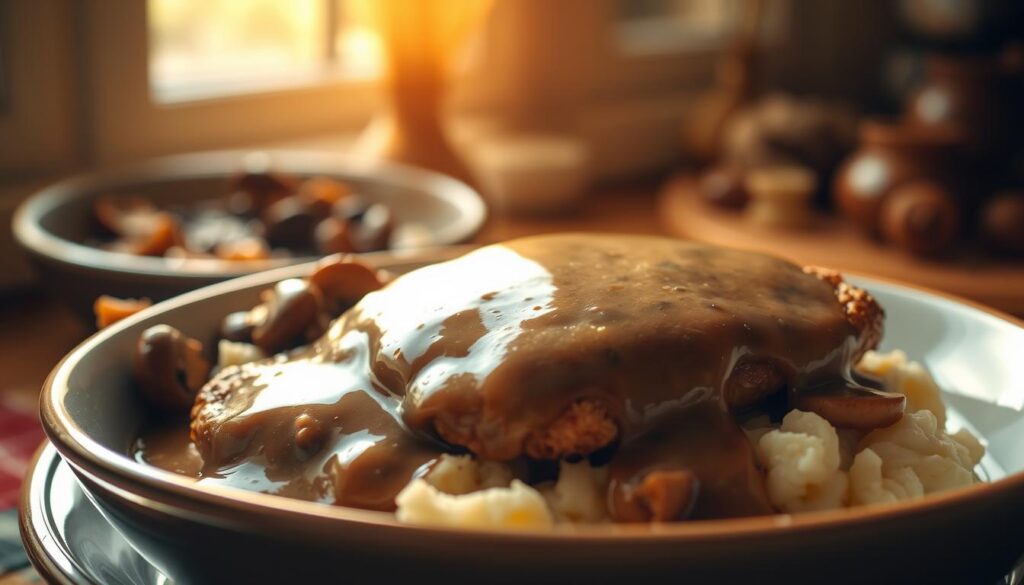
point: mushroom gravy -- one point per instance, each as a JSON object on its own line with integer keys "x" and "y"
{"x": 498, "y": 344}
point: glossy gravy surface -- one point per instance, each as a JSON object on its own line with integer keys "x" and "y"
{"x": 499, "y": 343}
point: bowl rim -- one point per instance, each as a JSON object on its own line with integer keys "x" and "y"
{"x": 184, "y": 497}
{"x": 39, "y": 241}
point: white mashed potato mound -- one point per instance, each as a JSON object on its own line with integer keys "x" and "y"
{"x": 908, "y": 378}
{"x": 912, "y": 458}
{"x": 517, "y": 506}
{"x": 808, "y": 464}
{"x": 802, "y": 459}
{"x": 579, "y": 494}
{"x": 454, "y": 490}
{"x": 461, "y": 474}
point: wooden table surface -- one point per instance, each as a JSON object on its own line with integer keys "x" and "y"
{"x": 835, "y": 242}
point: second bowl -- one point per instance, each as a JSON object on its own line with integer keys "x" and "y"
{"x": 54, "y": 224}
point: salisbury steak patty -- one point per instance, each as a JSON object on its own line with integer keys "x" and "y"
{"x": 559, "y": 345}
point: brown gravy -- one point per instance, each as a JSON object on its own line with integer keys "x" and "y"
{"x": 500, "y": 342}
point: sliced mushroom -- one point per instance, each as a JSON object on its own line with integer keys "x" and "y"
{"x": 169, "y": 368}
{"x": 322, "y": 194}
{"x": 289, "y": 223}
{"x": 345, "y": 280}
{"x": 751, "y": 382}
{"x": 334, "y": 236}
{"x": 853, "y": 407}
{"x": 373, "y": 230}
{"x": 238, "y": 327}
{"x": 356, "y": 225}
{"x": 293, "y": 315}
{"x": 255, "y": 191}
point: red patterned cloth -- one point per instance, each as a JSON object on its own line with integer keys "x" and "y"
{"x": 20, "y": 435}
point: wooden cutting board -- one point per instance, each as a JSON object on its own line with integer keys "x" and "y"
{"x": 833, "y": 242}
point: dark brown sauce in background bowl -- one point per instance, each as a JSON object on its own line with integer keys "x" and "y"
{"x": 55, "y": 225}
{"x": 218, "y": 534}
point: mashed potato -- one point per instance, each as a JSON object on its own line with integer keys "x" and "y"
{"x": 808, "y": 465}
{"x": 579, "y": 494}
{"x": 461, "y": 474}
{"x": 517, "y": 506}
{"x": 801, "y": 460}
{"x": 804, "y": 458}
{"x": 908, "y": 378}
{"x": 462, "y": 491}
{"x": 458, "y": 488}
{"x": 911, "y": 458}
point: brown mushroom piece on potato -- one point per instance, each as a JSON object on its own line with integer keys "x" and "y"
{"x": 852, "y": 407}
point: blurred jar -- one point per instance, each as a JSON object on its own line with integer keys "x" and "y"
{"x": 970, "y": 91}
{"x": 894, "y": 154}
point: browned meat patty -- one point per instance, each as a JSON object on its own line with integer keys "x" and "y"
{"x": 562, "y": 345}
{"x": 588, "y": 425}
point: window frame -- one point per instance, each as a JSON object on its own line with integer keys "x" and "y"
{"x": 38, "y": 109}
{"x": 660, "y": 66}
{"x": 623, "y": 97}
{"x": 128, "y": 122}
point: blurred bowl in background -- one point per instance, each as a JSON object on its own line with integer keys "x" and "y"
{"x": 54, "y": 224}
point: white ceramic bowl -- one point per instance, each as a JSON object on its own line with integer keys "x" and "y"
{"x": 200, "y": 533}
{"x": 53, "y": 224}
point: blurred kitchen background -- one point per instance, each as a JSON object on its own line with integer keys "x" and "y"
{"x": 877, "y": 136}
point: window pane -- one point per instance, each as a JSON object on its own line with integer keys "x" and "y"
{"x": 357, "y": 47}
{"x": 664, "y": 25}
{"x": 205, "y": 48}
